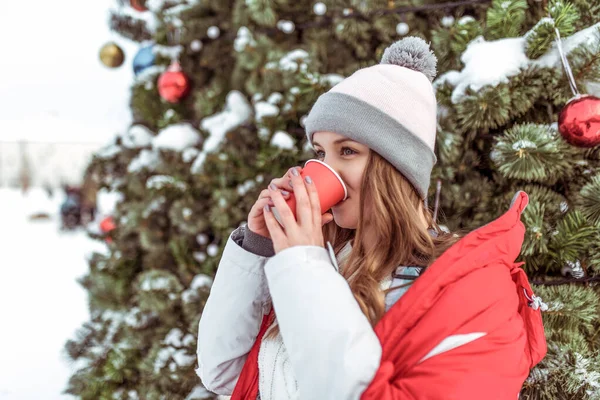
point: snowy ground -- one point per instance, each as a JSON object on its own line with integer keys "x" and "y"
{"x": 41, "y": 304}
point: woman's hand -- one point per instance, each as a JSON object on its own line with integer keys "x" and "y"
{"x": 256, "y": 220}
{"x": 307, "y": 229}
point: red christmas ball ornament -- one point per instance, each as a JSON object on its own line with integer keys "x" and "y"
{"x": 173, "y": 84}
{"x": 107, "y": 224}
{"x": 139, "y": 5}
{"x": 579, "y": 121}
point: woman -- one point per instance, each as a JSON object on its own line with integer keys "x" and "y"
{"x": 395, "y": 309}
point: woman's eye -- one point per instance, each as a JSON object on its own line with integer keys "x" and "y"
{"x": 347, "y": 151}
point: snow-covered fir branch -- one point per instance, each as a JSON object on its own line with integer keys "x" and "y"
{"x": 489, "y": 63}
{"x": 177, "y": 137}
{"x": 236, "y": 112}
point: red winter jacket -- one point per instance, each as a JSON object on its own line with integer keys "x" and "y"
{"x": 475, "y": 286}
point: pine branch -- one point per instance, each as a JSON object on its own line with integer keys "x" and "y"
{"x": 533, "y": 153}
{"x": 562, "y": 16}
{"x": 505, "y": 18}
{"x": 431, "y": 7}
{"x": 572, "y": 236}
{"x": 566, "y": 281}
{"x": 589, "y": 200}
{"x": 591, "y": 70}
{"x": 330, "y": 20}
{"x": 131, "y": 28}
{"x": 485, "y": 109}
{"x": 449, "y": 44}
{"x": 536, "y": 235}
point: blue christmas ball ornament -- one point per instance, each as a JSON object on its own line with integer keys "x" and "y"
{"x": 143, "y": 59}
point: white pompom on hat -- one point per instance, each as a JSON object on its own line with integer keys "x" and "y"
{"x": 389, "y": 107}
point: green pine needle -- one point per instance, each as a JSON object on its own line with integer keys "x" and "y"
{"x": 261, "y": 11}
{"x": 564, "y": 374}
{"x": 589, "y": 200}
{"x": 526, "y": 88}
{"x": 484, "y": 110}
{"x": 505, "y": 18}
{"x": 536, "y": 235}
{"x": 572, "y": 237}
{"x": 585, "y": 61}
{"x": 449, "y": 147}
{"x": 449, "y": 43}
{"x": 533, "y": 153}
{"x": 563, "y": 16}
{"x": 571, "y": 309}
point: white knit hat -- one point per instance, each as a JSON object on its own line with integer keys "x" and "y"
{"x": 389, "y": 107}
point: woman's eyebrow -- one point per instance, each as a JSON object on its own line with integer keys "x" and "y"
{"x": 335, "y": 142}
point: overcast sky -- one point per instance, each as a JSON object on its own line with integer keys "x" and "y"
{"x": 52, "y": 84}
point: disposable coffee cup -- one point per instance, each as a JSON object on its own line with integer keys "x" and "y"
{"x": 330, "y": 187}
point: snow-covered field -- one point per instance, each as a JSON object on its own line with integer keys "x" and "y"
{"x": 41, "y": 304}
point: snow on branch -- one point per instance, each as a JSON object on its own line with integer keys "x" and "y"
{"x": 237, "y": 111}
{"x": 171, "y": 52}
{"x": 494, "y": 62}
{"x": 148, "y": 18}
{"x": 136, "y": 137}
{"x": 177, "y": 137}
{"x": 283, "y": 140}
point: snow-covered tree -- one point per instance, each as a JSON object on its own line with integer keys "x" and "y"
{"x": 188, "y": 172}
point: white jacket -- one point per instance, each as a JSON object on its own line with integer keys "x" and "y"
{"x": 339, "y": 366}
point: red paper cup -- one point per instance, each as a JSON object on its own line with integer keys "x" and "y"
{"x": 330, "y": 186}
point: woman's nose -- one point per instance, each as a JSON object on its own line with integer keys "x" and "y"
{"x": 331, "y": 163}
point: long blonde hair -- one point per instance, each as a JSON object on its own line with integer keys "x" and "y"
{"x": 392, "y": 215}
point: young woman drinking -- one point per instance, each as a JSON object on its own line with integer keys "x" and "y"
{"x": 369, "y": 300}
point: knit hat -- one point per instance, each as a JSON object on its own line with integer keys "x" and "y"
{"x": 389, "y": 107}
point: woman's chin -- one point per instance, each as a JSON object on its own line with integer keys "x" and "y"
{"x": 343, "y": 220}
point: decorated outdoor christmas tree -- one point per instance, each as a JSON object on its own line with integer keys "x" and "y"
{"x": 218, "y": 102}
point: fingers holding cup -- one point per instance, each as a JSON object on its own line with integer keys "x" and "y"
{"x": 283, "y": 183}
{"x": 303, "y": 206}
{"x": 275, "y": 230}
{"x": 286, "y": 216}
{"x": 274, "y": 188}
{"x": 315, "y": 203}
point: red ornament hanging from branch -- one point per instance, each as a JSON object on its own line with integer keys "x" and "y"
{"x": 107, "y": 225}
{"x": 173, "y": 84}
{"x": 579, "y": 120}
{"x": 139, "y": 5}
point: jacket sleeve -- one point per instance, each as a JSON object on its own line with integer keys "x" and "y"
{"x": 333, "y": 350}
{"x": 257, "y": 244}
{"x": 232, "y": 316}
